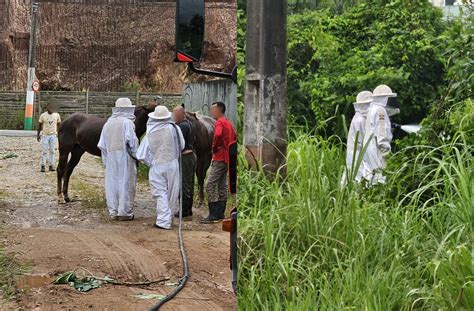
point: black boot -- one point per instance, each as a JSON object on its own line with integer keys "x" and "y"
{"x": 222, "y": 207}
{"x": 42, "y": 170}
{"x": 187, "y": 208}
{"x": 213, "y": 214}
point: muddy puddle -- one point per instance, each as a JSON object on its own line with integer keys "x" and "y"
{"x": 29, "y": 281}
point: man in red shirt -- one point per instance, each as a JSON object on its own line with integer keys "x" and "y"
{"x": 216, "y": 187}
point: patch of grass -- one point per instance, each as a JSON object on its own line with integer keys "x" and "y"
{"x": 10, "y": 268}
{"x": 91, "y": 196}
{"x": 306, "y": 243}
{"x": 142, "y": 173}
{"x": 3, "y": 195}
{"x": 9, "y": 156}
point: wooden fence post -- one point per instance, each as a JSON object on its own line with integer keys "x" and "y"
{"x": 87, "y": 101}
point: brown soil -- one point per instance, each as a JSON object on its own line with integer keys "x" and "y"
{"x": 53, "y": 239}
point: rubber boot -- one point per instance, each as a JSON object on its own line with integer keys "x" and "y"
{"x": 51, "y": 168}
{"x": 222, "y": 207}
{"x": 213, "y": 214}
{"x": 42, "y": 169}
{"x": 187, "y": 208}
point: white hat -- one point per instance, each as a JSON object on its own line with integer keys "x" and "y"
{"x": 364, "y": 97}
{"x": 383, "y": 90}
{"x": 124, "y": 102}
{"x": 160, "y": 113}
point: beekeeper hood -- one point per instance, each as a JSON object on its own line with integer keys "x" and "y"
{"x": 123, "y": 109}
{"x": 381, "y": 95}
{"x": 362, "y": 103}
{"x": 157, "y": 119}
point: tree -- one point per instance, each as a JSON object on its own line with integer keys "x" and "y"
{"x": 373, "y": 42}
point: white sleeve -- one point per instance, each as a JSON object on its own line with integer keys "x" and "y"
{"x": 144, "y": 153}
{"x": 102, "y": 145}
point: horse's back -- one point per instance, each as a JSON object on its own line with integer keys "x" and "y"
{"x": 203, "y": 128}
{"x": 82, "y": 129}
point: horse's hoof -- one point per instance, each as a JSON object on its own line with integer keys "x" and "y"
{"x": 67, "y": 200}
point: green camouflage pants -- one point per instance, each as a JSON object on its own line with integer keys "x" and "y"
{"x": 216, "y": 186}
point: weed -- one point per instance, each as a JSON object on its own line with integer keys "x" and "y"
{"x": 9, "y": 270}
{"x": 91, "y": 196}
{"x": 306, "y": 243}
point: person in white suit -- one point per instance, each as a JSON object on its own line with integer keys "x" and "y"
{"x": 378, "y": 135}
{"x": 160, "y": 150}
{"x": 355, "y": 138}
{"x": 118, "y": 144}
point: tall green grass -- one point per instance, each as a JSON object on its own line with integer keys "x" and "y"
{"x": 306, "y": 243}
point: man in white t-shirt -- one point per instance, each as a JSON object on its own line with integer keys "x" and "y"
{"x": 48, "y": 125}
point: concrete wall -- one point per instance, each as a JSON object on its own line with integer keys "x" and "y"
{"x": 198, "y": 97}
{"x": 442, "y": 3}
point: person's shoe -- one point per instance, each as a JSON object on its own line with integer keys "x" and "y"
{"x": 51, "y": 168}
{"x": 126, "y": 218}
{"x": 221, "y": 209}
{"x": 42, "y": 169}
{"x": 187, "y": 208}
{"x": 160, "y": 227}
{"x": 213, "y": 214}
{"x": 113, "y": 217}
{"x": 184, "y": 214}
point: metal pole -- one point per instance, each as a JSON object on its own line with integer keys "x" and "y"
{"x": 30, "y": 94}
{"x": 266, "y": 104}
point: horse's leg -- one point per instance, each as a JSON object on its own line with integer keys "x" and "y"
{"x": 201, "y": 170}
{"x": 60, "y": 174}
{"x": 64, "y": 151}
{"x": 76, "y": 155}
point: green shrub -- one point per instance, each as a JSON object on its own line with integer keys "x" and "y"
{"x": 333, "y": 57}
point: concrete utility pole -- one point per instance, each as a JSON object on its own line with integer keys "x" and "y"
{"x": 266, "y": 103}
{"x": 30, "y": 94}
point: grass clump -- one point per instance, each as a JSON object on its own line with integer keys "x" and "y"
{"x": 91, "y": 196}
{"x": 10, "y": 268}
{"x": 306, "y": 243}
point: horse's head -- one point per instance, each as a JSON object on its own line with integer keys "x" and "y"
{"x": 141, "y": 118}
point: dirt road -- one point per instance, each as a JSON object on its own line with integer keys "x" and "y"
{"x": 55, "y": 238}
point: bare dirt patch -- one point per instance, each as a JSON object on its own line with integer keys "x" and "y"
{"x": 55, "y": 238}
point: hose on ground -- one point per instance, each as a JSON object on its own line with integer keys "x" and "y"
{"x": 184, "y": 259}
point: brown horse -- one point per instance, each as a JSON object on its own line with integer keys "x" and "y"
{"x": 80, "y": 133}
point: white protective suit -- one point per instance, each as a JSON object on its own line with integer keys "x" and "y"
{"x": 160, "y": 150}
{"x": 378, "y": 136}
{"x": 355, "y": 141}
{"x": 120, "y": 168}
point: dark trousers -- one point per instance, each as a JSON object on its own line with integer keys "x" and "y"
{"x": 188, "y": 167}
{"x": 217, "y": 182}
